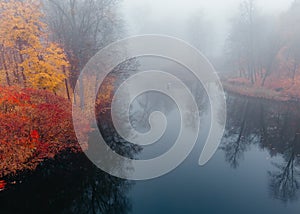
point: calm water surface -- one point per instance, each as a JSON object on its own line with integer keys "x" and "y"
{"x": 255, "y": 170}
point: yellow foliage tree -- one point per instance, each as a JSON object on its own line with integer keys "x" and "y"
{"x": 28, "y": 57}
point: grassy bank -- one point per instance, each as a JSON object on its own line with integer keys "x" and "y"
{"x": 259, "y": 92}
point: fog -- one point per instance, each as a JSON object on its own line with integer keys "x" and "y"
{"x": 175, "y": 18}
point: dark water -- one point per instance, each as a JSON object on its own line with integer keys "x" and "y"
{"x": 255, "y": 170}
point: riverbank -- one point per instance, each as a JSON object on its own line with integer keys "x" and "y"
{"x": 259, "y": 92}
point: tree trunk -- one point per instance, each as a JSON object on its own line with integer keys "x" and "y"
{"x": 81, "y": 92}
{"x": 66, "y": 85}
{"x": 5, "y": 67}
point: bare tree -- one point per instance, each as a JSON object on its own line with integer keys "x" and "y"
{"x": 291, "y": 35}
{"x": 269, "y": 46}
{"x": 83, "y": 27}
{"x": 242, "y": 39}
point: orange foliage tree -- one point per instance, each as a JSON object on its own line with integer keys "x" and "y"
{"x": 27, "y": 56}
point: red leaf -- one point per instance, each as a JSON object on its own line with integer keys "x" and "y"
{"x": 35, "y": 135}
{"x": 2, "y": 184}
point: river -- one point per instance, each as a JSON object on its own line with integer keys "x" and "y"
{"x": 255, "y": 170}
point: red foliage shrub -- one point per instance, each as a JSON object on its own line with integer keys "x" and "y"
{"x": 34, "y": 125}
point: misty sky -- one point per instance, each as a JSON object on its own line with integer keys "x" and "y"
{"x": 171, "y": 16}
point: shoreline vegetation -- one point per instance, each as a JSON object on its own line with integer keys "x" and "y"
{"x": 35, "y": 126}
{"x": 263, "y": 54}
{"x": 40, "y": 63}
{"x": 255, "y": 91}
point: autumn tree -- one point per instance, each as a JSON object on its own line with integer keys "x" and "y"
{"x": 83, "y": 27}
{"x": 28, "y": 58}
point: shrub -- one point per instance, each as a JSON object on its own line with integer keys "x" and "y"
{"x": 34, "y": 125}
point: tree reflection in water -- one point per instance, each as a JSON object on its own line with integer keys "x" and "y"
{"x": 68, "y": 185}
{"x": 72, "y": 184}
{"x": 274, "y": 127}
{"x": 284, "y": 182}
